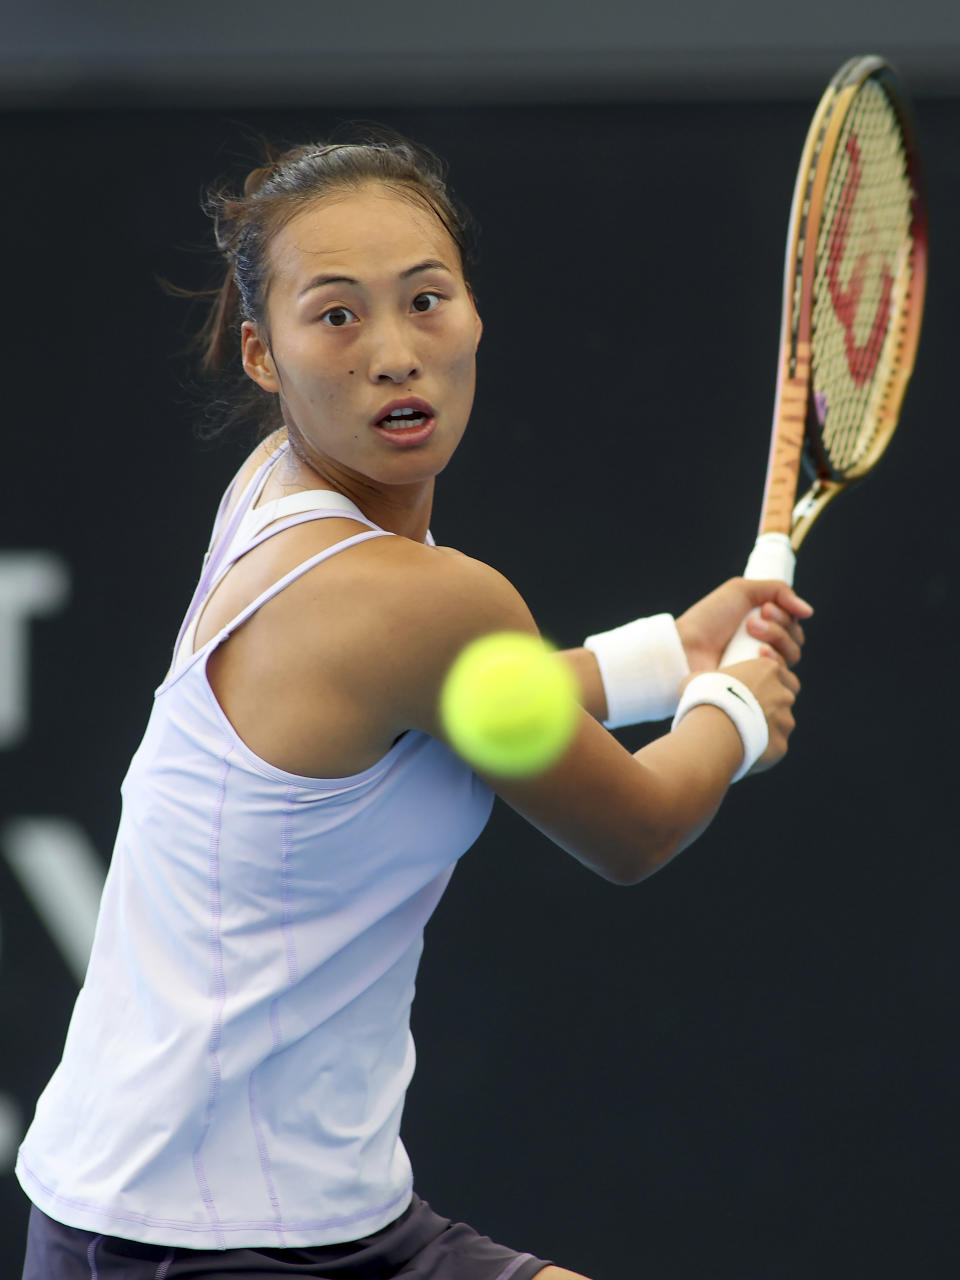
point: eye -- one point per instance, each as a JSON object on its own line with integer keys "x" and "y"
{"x": 337, "y": 317}
{"x": 425, "y": 301}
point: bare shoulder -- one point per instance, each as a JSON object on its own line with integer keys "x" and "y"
{"x": 413, "y": 608}
{"x": 460, "y": 594}
{"x": 439, "y": 599}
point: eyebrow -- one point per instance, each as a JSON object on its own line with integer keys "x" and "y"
{"x": 431, "y": 264}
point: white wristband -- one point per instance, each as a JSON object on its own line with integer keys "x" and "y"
{"x": 642, "y": 666}
{"x": 717, "y": 689}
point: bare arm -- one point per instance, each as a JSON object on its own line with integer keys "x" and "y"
{"x": 626, "y": 816}
{"x": 622, "y": 815}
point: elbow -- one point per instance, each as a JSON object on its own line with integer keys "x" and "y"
{"x": 639, "y": 862}
{"x": 626, "y": 877}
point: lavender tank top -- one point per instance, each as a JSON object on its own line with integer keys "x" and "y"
{"x": 235, "y": 1067}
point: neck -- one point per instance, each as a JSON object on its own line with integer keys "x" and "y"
{"x": 401, "y": 509}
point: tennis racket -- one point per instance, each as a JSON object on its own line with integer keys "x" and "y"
{"x": 854, "y": 279}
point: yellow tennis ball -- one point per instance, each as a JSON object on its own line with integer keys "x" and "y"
{"x": 508, "y": 705}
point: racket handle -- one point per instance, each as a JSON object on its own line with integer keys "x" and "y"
{"x": 771, "y": 557}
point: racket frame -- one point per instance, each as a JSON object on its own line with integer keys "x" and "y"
{"x": 794, "y": 436}
{"x": 786, "y": 519}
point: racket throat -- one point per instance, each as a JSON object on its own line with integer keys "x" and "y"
{"x": 808, "y": 507}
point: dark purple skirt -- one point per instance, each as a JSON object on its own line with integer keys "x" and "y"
{"x": 420, "y": 1245}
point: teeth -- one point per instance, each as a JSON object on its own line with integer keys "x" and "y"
{"x": 403, "y": 417}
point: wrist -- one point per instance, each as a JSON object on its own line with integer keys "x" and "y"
{"x": 731, "y": 696}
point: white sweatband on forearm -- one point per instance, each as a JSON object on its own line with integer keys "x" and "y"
{"x": 715, "y": 689}
{"x": 642, "y": 666}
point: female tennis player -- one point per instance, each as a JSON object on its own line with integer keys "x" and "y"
{"x": 229, "y": 1099}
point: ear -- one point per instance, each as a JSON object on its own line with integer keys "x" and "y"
{"x": 257, "y": 358}
{"x": 478, "y": 323}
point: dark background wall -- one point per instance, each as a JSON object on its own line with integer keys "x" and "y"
{"x": 426, "y": 51}
{"x": 745, "y": 1066}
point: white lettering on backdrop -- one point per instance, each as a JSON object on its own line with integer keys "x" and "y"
{"x": 54, "y": 862}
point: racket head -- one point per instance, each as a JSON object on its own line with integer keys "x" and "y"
{"x": 854, "y": 285}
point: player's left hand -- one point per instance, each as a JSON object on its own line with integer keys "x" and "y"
{"x": 707, "y": 627}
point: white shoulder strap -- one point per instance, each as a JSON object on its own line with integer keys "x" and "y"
{"x": 256, "y": 519}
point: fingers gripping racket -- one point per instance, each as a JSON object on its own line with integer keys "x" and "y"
{"x": 854, "y": 281}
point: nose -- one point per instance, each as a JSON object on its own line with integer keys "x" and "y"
{"x": 393, "y": 357}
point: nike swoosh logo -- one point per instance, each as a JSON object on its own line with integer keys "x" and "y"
{"x": 738, "y": 696}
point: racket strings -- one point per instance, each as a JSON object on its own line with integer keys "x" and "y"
{"x": 864, "y": 236}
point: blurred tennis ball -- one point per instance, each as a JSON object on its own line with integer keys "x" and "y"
{"x": 508, "y": 705}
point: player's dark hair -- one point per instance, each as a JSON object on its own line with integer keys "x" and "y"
{"x": 246, "y": 222}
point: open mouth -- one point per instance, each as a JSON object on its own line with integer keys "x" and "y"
{"x": 398, "y": 418}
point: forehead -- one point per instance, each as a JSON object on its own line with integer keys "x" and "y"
{"x": 368, "y": 233}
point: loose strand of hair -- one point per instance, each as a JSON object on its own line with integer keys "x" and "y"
{"x": 218, "y": 334}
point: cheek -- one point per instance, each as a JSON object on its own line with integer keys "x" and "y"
{"x": 462, "y": 355}
{"x": 309, "y": 377}
{"x": 468, "y": 373}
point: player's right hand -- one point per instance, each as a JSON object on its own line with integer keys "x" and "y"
{"x": 707, "y": 627}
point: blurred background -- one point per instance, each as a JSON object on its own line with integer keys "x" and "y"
{"x": 746, "y": 1066}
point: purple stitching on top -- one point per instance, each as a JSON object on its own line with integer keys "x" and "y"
{"x": 286, "y": 850}
{"x": 219, "y": 992}
{"x": 513, "y": 1266}
{"x": 275, "y": 1029}
{"x": 257, "y": 1123}
{"x": 92, "y": 1257}
{"x": 164, "y": 1266}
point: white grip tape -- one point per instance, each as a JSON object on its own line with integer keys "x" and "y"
{"x": 734, "y": 699}
{"x": 642, "y": 666}
{"x": 771, "y": 557}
